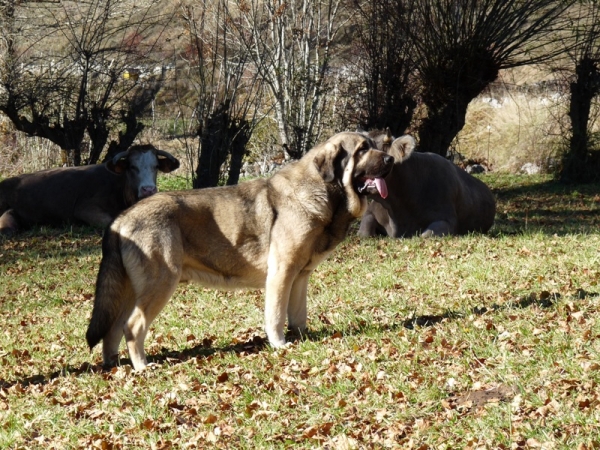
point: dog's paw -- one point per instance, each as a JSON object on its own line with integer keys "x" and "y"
{"x": 276, "y": 337}
{"x": 279, "y": 343}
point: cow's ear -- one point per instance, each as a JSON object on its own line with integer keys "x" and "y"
{"x": 166, "y": 162}
{"x": 326, "y": 160}
{"x": 118, "y": 164}
{"x": 402, "y": 148}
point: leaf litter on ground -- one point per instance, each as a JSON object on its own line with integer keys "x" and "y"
{"x": 468, "y": 342}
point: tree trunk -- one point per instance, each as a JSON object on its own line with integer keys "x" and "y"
{"x": 440, "y": 127}
{"x": 578, "y": 164}
{"x": 449, "y": 85}
{"x": 132, "y": 128}
{"x": 214, "y": 146}
{"x": 238, "y": 149}
{"x": 207, "y": 172}
{"x": 582, "y": 93}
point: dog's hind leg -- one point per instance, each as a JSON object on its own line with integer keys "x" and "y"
{"x": 151, "y": 302}
{"x": 111, "y": 341}
{"x": 296, "y": 310}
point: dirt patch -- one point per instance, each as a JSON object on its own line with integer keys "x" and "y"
{"x": 481, "y": 397}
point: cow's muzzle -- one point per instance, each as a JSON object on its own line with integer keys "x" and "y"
{"x": 147, "y": 191}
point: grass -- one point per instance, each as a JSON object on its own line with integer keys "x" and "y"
{"x": 466, "y": 342}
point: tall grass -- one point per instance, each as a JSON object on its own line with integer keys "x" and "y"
{"x": 22, "y": 154}
{"x": 513, "y": 129}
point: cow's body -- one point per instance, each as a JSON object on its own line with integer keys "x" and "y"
{"x": 92, "y": 195}
{"x": 428, "y": 195}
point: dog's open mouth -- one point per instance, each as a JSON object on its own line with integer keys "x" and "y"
{"x": 373, "y": 185}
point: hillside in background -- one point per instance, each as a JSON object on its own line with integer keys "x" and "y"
{"x": 518, "y": 124}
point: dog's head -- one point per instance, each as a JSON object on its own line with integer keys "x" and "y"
{"x": 354, "y": 160}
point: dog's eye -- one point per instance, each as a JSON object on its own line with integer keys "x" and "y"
{"x": 363, "y": 148}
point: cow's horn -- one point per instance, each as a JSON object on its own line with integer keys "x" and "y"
{"x": 119, "y": 156}
{"x": 165, "y": 154}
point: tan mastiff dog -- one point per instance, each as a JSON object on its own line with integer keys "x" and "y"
{"x": 266, "y": 233}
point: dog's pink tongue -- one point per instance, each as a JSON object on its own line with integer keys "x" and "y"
{"x": 381, "y": 187}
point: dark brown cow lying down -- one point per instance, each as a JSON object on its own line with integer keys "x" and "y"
{"x": 427, "y": 194}
{"x": 93, "y": 195}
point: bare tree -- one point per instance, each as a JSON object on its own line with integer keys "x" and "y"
{"x": 461, "y": 45}
{"x": 290, "y": 43}
{"x": 64, "y": 75}
{"x": 581, "y": 162}
{"x": 227, "y": 92}
{"x": 387, "y": 73}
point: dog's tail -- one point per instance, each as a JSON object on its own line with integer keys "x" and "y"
{"x": 113, "y": 291}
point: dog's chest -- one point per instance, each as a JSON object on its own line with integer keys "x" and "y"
{"x": 328, "y": 241}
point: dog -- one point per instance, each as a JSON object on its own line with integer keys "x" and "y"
{"x": 267, "y": 233}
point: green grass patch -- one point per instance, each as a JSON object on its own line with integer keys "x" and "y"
{"x": 472, "y": 342}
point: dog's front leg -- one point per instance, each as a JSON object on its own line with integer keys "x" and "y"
{"x": 277, "y": 294}
{"x": 296, "y": 310}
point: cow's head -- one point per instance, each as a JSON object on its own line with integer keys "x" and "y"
{"x": 400, "y": 148}
{"x": 140, "y": 164}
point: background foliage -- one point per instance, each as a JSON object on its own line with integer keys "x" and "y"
{"x": 235, "y": 87}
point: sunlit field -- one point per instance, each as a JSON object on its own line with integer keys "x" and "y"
{"x": 482, "y": 341}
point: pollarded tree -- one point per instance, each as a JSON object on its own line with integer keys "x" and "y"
{"x": 461, "y": 45}
{"x": 582, "y": 160}
{"x": 226, "y": 91}
{"x": 385, "y": 64}
{"x": 63, "y": 66}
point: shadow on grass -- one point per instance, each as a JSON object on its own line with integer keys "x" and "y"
{"x": 546, "y": 300}
{"x": 202, "y": 350}
{"x": 256, "y": 343}
{"x": 50, "y": 242}
{"x": 549, "y": 207}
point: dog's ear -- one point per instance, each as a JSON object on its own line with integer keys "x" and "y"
{"x": 325, "y": 161}
{"x": 402, "y": 147}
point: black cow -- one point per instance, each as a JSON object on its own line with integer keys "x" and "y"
{"x": 92, "y": 195}
{"x": 426, "y": 194}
